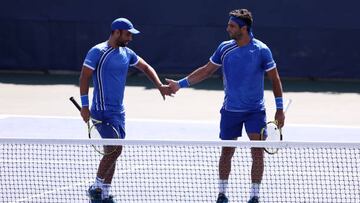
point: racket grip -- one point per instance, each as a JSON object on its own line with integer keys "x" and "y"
{"x": 75, "y": 103}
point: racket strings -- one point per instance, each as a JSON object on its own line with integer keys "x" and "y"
{"x": 102, "y": 130}
{"x": 271, "y": 132}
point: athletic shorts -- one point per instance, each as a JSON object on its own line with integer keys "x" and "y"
{"x": 116, "y": 119}
{"x": 231, "y": 123}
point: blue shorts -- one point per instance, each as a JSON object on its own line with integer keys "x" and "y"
{"x": 116, "y": 119}
{"x": 231, "y": 123}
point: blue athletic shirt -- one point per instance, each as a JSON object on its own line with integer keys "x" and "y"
{"x": 110, "y": 68}
{"x": 243, "y": 71}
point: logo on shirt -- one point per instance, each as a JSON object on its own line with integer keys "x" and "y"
{"x": 252, "y": 51}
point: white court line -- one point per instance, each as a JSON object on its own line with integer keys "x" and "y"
{"x": 52, "y": 191}
{"x": 323, "y": 126}
{"x": 41, "y": 161}
{"x": 3, "y": 116}
{"x": 86, "y": 182}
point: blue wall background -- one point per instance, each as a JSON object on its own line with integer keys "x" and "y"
{"x": 316, "y": 39}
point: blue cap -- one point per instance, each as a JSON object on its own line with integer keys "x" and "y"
{"x": 123, "y": 24}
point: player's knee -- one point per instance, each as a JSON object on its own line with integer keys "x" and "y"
{"x": 254, "y": 136}
{"x": 118, "y": 151}
{"x": 227, "y": 152}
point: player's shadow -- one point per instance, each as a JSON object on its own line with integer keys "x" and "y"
{"x": 289, "y": 84}
{"x": 214, "y": 83}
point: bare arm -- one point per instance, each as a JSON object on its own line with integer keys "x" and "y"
{"x": 153, "y": 77}
{"x": 202, "y": 73}
{"x": 149, "y": 72}
{"x": 85, "y": 77}
{"x": 278, "y": 92}
{"x": 196, "y": 76}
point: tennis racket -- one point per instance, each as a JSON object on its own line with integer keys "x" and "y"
{"x": 271, "y": 132}
{"x": 97, "y": 129}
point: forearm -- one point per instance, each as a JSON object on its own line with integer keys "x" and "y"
{"x": 149, "y": 72}
{"x": 84, "y": 84}
{"x": 278, "y": 93}
{"x": 153, "y": 77}
{"x": 85, "y": 77}
{"x": 196, "y": 76}
{"x": 277, "y": 87}
{"x": 276, "y": 82}
{"x": 199, "y": 75}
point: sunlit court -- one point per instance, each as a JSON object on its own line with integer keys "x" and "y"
{"x": 176, "y": 163}
{"x": 179, "y": 101}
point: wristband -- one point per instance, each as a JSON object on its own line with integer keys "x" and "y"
{"x": 84, "y": 100}
{"x": 184, "y": 82}
{"x": 279, "y": 103}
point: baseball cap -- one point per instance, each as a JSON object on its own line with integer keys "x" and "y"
{"x": 123, "y": 24}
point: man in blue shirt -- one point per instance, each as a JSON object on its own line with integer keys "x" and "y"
{"x": 107, "y": 64}
{"x": 244, "y": 61}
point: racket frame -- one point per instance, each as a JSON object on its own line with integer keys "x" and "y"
{"x": 262, "y": 137}
{"x": 90, "y": 128}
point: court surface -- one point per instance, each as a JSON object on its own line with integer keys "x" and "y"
{"x": 27, "y": 126}
{"x": 34, "y": 107}
{"x": 165, "y": 174}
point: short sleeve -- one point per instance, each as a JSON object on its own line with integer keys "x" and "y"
{"x": 268, "y": 62}
{"x": 133, "y": 58}
{"x": 92, "y": 58}
{"x": 216, "y": 57}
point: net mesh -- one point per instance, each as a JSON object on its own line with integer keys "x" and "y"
{"x": 184, "y": 172}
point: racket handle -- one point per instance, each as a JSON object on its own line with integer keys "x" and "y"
{"x": 75, "y": 103}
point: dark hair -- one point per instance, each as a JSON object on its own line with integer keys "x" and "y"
{"x": 244, "y": 15}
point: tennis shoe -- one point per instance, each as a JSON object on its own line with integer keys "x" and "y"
{"x": 254, "y": 200}
{"x": 109, "y": 200}
{"x": 95, "y": 195}
{"x": 222, "y": 198}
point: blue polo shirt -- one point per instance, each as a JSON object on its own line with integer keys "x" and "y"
{"x": 243, "y": 70}
{"x": 110, "y": 68}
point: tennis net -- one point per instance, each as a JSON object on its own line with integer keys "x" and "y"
{"x": 47, "y": 170}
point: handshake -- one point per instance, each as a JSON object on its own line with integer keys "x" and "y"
{"x": 172, "y": 87}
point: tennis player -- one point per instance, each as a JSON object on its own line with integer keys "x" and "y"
{"x": 244, "y": 61}
{"x": 107, "y": 64}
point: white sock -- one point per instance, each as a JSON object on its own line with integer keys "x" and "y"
{"x": 223, "y": 185}
{"x": 255, "y": 190}
{"x": 98, "y": 183}
{"x": 106, "y": 191}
